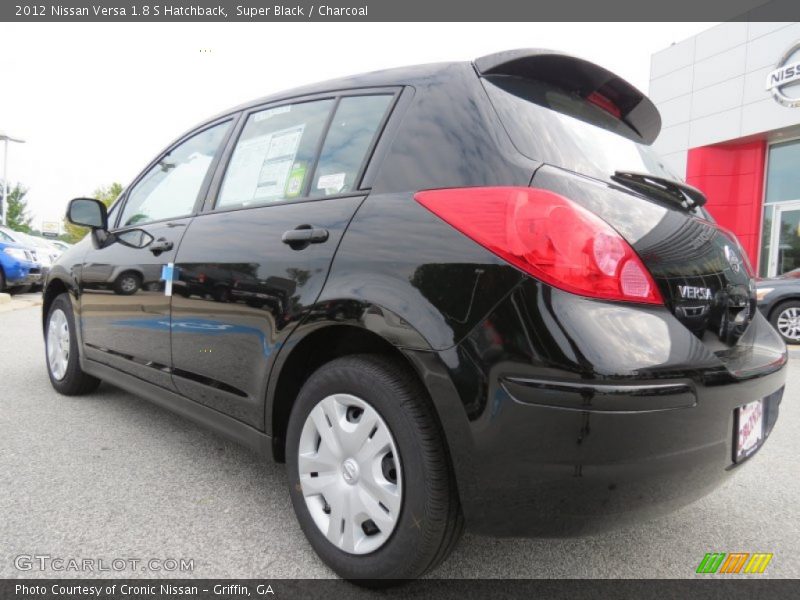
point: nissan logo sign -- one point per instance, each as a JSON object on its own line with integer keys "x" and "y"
{"x": 786, "y": 75}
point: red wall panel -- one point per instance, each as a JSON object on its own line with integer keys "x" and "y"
{"x": 732, "y": 177}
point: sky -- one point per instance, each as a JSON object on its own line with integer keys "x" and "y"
{"x": 95, "y": 102}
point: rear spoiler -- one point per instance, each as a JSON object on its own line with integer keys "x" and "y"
{"x": 579, "y": 76}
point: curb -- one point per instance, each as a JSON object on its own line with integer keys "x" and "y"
{"x": 12, "y": 303}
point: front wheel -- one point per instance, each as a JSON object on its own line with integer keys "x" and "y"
{"x": 786, "y": 319}
{"x": 369, "y": 475}
{"x": 61, "y": 350}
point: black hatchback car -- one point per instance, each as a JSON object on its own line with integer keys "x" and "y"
{"x": 462, "y": 293}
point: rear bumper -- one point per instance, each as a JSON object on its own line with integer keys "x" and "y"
{"x": 555, "y": 471}
{"x": 574, "y": 432}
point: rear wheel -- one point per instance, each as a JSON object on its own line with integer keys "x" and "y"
{"x": 61, "y": 351}
{"x": 2, "y": 281}
{"x": 368, "y": 471}
{"x": 786, "y": 319}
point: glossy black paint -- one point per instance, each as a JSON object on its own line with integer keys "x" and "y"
{"x": 573, "y": 413}
{"x": 254, "y": 291}
{"x": 586, "y": 415}
{"x": 681, "y": 249}
{"x": 129, "y": 328}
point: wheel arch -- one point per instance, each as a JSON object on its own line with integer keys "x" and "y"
{"x": 780, "y": 302}
{"x": 128, "y": 269}
{"x": 54, "y": 288}
{"x": 304, "y": 353}
{"x": 313, "y": 344}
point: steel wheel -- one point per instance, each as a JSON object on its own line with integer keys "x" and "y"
{"x": 128, "y": 284}
{"x": 788, "y": 323}
{"x": 350, "y": 473}
{"x": 58, "y": 344}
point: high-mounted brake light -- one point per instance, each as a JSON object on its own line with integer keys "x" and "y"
{"x": 607, "y": 105}
{"x": 549, "y": 237}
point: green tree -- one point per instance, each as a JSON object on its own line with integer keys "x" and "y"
{"x": 18, "y": 218}
{"x": 106, "y": 195}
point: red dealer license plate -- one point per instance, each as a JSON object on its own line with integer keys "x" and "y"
{"x": 750, "y": 428}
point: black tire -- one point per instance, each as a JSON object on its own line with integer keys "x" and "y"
{"x": 127, "y": 283}
{"x": 75, "y": 381}
{"x": 2, "y": 281}
{"x": 430, "y": 520}
{"x": 775, "y": 315}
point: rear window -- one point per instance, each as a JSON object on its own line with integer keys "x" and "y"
{"x": 349, "y": 138}
{"x": 548, "y": 124}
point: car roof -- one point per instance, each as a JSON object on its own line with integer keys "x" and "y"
{"x": 399, "y": 76}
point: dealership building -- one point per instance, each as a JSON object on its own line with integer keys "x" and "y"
{"x": 730, "y": 106}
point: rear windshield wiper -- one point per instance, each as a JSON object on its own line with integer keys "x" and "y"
{"x": 677, "y": 192}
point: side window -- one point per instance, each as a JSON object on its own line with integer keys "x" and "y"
{"x": 274, "y": 154}
{"x": 5, "y": 238}
{"x": 170, "y": 188}
{"x": 349, "y": 138}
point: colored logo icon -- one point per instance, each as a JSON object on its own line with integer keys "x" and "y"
{"x": 734, "y": 563}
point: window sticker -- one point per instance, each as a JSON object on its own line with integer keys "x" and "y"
{"x": 294, "y": 185}
{"x": 263, "y": 165}
{"x": 246, "y": 163}
{"x": 278, "y": 161}
{"x": 272, "y": 112}
{"x": 332, "y": 184}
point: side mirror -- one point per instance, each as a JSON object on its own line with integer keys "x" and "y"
{"x": 88, "y": 212}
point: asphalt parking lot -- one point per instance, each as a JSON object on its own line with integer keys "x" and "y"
{"x": 111, "y": 476}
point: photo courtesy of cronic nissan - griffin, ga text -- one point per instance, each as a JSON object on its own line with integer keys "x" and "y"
{"x": 453, "y": 295}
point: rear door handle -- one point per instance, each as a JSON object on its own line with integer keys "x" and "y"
{"x": 161, "y": 245}
{"x": 303, "y": 235}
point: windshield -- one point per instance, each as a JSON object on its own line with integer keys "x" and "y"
{"x": 562, "y": 129}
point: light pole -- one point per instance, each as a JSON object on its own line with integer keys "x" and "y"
{"x": 5, "y": 138}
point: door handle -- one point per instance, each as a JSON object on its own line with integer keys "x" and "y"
{"x": 161, "y": 245}
{"x": 303, "y": 235}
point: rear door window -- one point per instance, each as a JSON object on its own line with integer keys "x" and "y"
{"x": 274, "y": 155}
{"x": 351, "y": 135}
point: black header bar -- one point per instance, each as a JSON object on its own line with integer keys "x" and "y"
{"x": 397, "y": 10}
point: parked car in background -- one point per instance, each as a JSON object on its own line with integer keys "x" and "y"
{"x": 63, "y": 246}
{"x": 41, "y": 254}
{"x": 460, "y": 294}
{"x": 18, "y": 271}
{"x": 779, "y": 301}
{"x": 44, "y": 247}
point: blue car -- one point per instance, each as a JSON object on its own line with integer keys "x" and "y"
{"x": 17, "y": 267}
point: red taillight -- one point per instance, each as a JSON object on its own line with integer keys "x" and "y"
{"x": 548, "y": 236}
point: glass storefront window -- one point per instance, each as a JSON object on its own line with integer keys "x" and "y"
{"x": 783, "y": 175}
{"x": 766, "y": 241}
{"x": 780, "y": 233}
